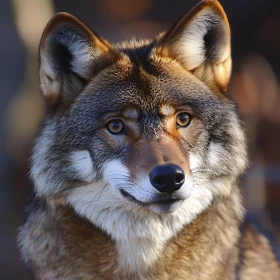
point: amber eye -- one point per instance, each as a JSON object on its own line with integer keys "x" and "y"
{"x": 115, "y": 126}
{"x": 183, "y": 119}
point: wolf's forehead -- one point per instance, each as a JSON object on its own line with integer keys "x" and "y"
{"x": 133, "y": 113}
{"x": 144, "y": 89}
{"x": 148, "y": 86}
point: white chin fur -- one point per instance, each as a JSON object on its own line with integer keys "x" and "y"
{"x": 165, "y": 209}
{"x": 140, "y": 234}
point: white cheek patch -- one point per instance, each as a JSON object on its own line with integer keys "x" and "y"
{"x": 116, "y": 175}
{"x": 195, "y": 161}
{"x": 82, "y": 165}
{"x": 218, "y": 157}
{"x": 215, "y": 153}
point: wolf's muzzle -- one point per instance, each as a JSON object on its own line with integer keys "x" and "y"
{"x": 167, "y": 178}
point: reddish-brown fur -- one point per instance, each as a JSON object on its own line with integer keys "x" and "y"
{"x": 58, "y": 243}
{"x": 210, "y": 248}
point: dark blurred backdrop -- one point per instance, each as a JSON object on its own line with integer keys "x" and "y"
{"x": 255, "y": 28}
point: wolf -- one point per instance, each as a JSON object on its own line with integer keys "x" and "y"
{"x": 136, "y": 168}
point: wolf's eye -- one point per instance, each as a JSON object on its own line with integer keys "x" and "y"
{"x": 183, "y": 119}
{"x": 115, "y": 126}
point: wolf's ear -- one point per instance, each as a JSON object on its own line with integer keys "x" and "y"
{"x": 70, "y": 55}
{"x": 200, "y": 41}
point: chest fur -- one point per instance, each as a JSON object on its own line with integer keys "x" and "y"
{"x": 153, "y": 252}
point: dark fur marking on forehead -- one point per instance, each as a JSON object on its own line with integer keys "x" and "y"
{"x": 139, "y": 57}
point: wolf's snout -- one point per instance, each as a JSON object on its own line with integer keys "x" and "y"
{"x": 167, "y": 178}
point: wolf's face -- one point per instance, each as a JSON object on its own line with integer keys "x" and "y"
{"x": 140, "y": 126}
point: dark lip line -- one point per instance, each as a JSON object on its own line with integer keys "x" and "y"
{"x": 131, "y": 198}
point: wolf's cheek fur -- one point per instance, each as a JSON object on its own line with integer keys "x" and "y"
{"x": 82, "y": 165}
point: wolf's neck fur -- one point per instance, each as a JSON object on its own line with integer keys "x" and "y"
{"x": 140, "y": 235}
{"x": 141, "y": 238}
{"x": 206, "y": 249}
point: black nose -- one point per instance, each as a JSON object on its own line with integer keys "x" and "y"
{"x": 167, "y": 178}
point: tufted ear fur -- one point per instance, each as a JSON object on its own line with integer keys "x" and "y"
{"x": 200, "y": 41}
{"x": 70, "y": 55}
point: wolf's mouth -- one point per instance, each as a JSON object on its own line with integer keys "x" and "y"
{"x": 164, "y": 202}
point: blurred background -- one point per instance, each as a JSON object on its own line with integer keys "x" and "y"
{"x": 254, "y": 86}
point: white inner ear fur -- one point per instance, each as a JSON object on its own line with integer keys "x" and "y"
{"x": 48, "y": 78}
{"x": 84, "y": 56}
{"x": 191, "y": 45}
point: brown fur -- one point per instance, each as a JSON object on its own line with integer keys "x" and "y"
{"x": 56, "y": 241}
{"x": 209, "y": 248}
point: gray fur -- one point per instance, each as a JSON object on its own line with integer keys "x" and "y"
{"x": 63, "y": 241}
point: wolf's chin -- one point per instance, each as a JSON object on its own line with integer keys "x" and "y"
{"x": 159, "y": 206}
{"x": 165, "y": 208}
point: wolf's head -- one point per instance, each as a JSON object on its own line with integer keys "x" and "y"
{"x": 139, "y": 126}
